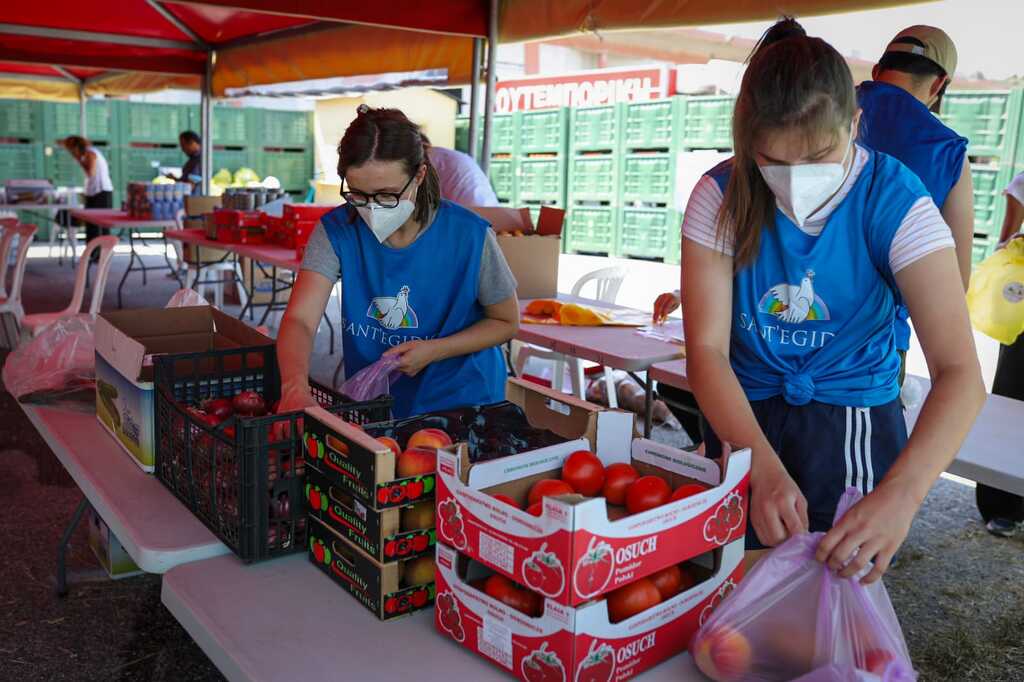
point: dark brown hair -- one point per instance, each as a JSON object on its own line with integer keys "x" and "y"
{"x": 798, "y": 83}
{"x": 388, "y": 135}
{"x": 77, "y": 142}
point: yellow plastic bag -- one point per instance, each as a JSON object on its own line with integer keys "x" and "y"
{"x": 995, "y": 298}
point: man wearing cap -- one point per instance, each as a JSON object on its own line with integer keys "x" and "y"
{"x": 898, "y": 119}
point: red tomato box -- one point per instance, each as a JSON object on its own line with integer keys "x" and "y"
{"x": 577, "y": 643}
{"x": 580, "y": 548}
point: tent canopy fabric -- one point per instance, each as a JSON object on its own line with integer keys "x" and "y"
{"x": 258, "y": 42}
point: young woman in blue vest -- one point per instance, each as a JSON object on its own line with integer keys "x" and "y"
{"x": 796, "y": 253}
{"x": 421, "y": 278}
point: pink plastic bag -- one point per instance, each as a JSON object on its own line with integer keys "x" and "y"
{"x": 373, "y": 381}
{"x": 58, "y": 366}
{"x": 792, "y": 616}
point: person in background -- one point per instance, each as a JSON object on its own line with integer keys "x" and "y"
{"x": 462, "y": 180}
{"x": 99, "y": 190}
{"x": 192, "y": 171}
{"x": 1004, "y": 511}
{"x": 422, "y": 278}
{"x": 898, "y": 104}
{"x": 796, "y": 253}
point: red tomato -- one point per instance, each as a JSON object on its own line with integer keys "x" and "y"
{"x": 687, "y": 577}
{"x": 513, "y": 596}
{"x": 647, "y": 492}
{"x": 584, "y": 472}
{"x": 548, "y": 487}
{"x": 687, "y": 490}
{"x": 499, "y": 587}
{"x": 537, "y": 508}
{"x": 506, "y": 499}
{"x": 617, "y": 478}
{"x": 632, "y": 599}
{"x": 669, "y": 581}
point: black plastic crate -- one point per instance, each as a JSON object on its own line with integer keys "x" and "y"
{"x": 243, "y": 478}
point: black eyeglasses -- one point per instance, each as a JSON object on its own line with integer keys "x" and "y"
{"x": 382, "y": 199}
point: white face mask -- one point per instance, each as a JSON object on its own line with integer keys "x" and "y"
{"x": 803, "y": 189}
{"x": 385, "y": 221}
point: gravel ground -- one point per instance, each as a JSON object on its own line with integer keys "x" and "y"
{"x": 958, "y": 591}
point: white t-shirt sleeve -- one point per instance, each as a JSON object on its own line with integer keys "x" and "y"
{"x": 700, "y": 222}
{"x": 1016, "y": 188}
{"x": 922, "y": 231}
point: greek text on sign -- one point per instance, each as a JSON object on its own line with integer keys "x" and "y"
{"x": 584, "y": 89}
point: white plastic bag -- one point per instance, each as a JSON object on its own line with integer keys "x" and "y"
{"x": 59, "y": 365}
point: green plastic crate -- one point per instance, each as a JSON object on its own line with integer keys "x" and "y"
{"x": 982, "y": 249}
{"x": 231, "y": 127}
{"x": 649, "y": 178}
{"x": 145, "y": 122}
{"x": 989, "y": 120}
{"x": 706, "y": 122}
{"x": 595, "y": 128}
{"x": 989, "y": 202}
{"x": 543, "y": 131}
{"x": 541, "y": 178}
{"x": 650, "y": 233}
{"x": 21, "y": 161}
{"x": 293, "y": 169}
{"x": 290, "y": 129}
{"x": 503, "y": 178}
{"x": 19, "y": 118}
{"x": 651, "y": 125}
{"x": 592, "y": 229}
{"x": 232, "y": 159}
{"x": 594, "y": 178}
{"x": 462, "y": 134}
{"x": 504, "y": 134}
{"x": 142, "y": 164}
{"x": 62, "y": 119}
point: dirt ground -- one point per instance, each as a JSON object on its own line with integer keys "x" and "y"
{"x": 958, "y": 591}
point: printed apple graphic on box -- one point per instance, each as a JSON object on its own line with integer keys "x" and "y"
{"x": 543, "y": 666}
{"x": 320, "y": 551}
{"x": 594, "y": 570}
{"x": 544, "y": 573}
{"x": 726, "y": 520}
{"x": 598, "y": 666}
{"x": 316, "y": 497}
{"x": 448, "y": 615}
{"x": 450, "y": 526}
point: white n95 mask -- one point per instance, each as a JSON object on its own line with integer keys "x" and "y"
{"x": 384, "y": 221}
{"x": 803, "y": 189}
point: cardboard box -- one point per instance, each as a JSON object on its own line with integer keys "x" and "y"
{"x": 108, "y": 550}
{"x": 126, "y": 340}
{"x": 261, "y": 291}
{"x": 377, "y": 586}
{"x": 597, "y": 547}
{"x": 378, "y": 533}
{"x": 196, "y": 209}
{"x": 365, "y": 468}
{"x": 532, "y": 251}
{"x": 578, "y": 643}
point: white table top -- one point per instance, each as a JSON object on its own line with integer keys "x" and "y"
{"x": 992, "y": 453}
{"x": 672, "y": 373}
{"x": 615, "y": 347}
{"x": 284, "y": 620}
{"x": 152, "y": 525}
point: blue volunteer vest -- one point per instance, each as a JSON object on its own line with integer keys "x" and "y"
{"x": 813, "y": 316}
{"x": 427, "y": 290}
{"x": 896, "y": 123}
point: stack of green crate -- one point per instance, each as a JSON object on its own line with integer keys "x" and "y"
{"x": 149, "y": 139}
{"x": 592, "y": 194}
{"x": 61, "y": 120}
{"x": 504, "y": 148}
{"x": 650, "y": 147}
{"x": 21, "y": 153}
{"x": 541, "y": 159}
{"x": 992, "y": 122}
{"x": 233, "y": 134}
{"x": 287, "y": 153}
{"x": 705, "y": 122}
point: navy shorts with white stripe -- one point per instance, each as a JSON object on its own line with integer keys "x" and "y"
{"x": 826, "y": 449}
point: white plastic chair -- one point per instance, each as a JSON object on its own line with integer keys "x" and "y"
{"x": 607, "y": 281}
{"x": 215, "y": 285}
{"x": 8, "y": 228}
{"x": 33, "y": 324}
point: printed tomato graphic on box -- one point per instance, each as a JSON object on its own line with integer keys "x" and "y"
{"x": 450, "y": 523}
{"x": 723, "y": 592}
{"x": 448, "y": 615}
{"x": 594, "y": 570}
{"x": 544, "y": 572}
{"x": 599, "y": 664}
{"x": 542, "y": 666}
{"x": 726, "y": 520}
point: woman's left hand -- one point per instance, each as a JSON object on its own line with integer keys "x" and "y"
{"x": 874, "y": 528}
{"x": 415, "y": 355}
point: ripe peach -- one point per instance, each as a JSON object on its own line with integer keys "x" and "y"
{"x": 392, "y": 445}
{"x": 416, "y": 462}
{"x": 722, "y": 654}
{"x": 428, "y": 438}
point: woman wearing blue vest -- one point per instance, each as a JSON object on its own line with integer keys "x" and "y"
{"x": 795, "y": 255}
{"x": 421, "y": 278}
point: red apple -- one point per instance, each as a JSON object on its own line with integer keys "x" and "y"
{"x": 218, "y": 407}
{"x": 416, "y": 462}
{"x": 249, "y": 404}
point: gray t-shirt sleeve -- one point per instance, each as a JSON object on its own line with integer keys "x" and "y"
{"x": 497, "y": 283}
{"x": 320, "y": 256}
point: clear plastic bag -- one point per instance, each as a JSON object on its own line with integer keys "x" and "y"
{"x": 186, "y": 298}
{"x": 59, "y": 365}
{"x": 792, "y": 616}
{"x": 373, "y": 381}
{"x": 995, "y": 298}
